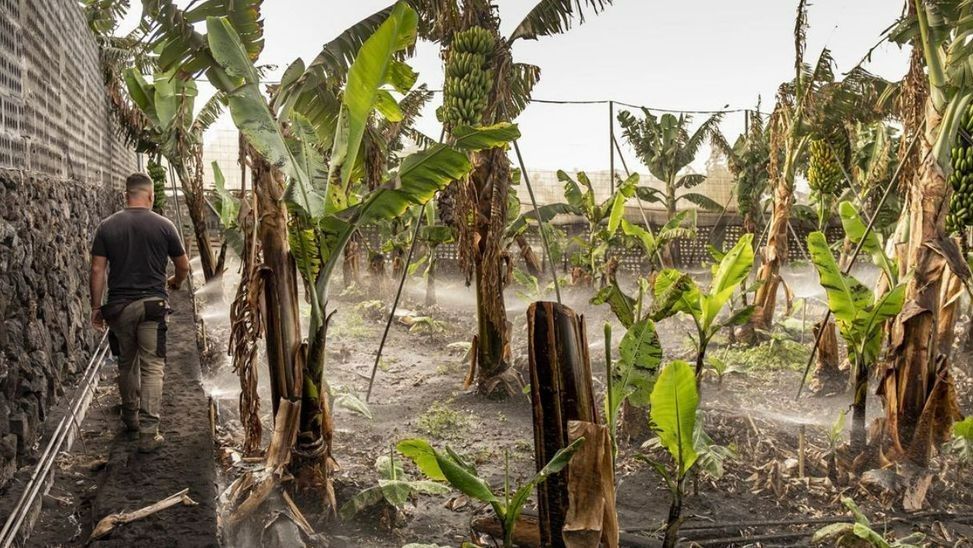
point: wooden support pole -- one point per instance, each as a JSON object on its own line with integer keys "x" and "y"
{"x": 560, "y": 390}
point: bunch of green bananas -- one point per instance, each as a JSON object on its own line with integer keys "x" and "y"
{"x": 824, "y": 174}
{"x": 961, "y": 204}
{"x": 468, "y": 78}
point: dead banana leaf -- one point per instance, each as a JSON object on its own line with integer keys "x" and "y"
{"x": 109, "y": 522}
{"x": 591, "y": 520}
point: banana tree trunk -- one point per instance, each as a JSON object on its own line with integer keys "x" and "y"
{"x": 920, "y": 403}
{"x": 858, "y": 407}
{"x": 531, "y": 261}
{"x": 491, "y": 178}
{"x": 828, "y": 377}
{"x": 351, "y": 267}
{"x": 775, "y": 252}
{"x": 192, "y": 188}
{"x": 281, "y": 303}
{"x": 431, "y": 278}
{"x": 560, "y": 390}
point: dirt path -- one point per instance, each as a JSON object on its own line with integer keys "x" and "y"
{"x": 105, "y": 474}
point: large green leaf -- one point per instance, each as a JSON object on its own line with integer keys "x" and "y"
{"x": 546, "y": 213}
{"x": 440, "y": 467}
{"x": 846, "y": 295}
{"x": 481, "y": 138}
{"x": 617, "y": 212}
{"x": 675, "y": 292}
{"x": 733, "y": 269}
{"x": 554, "y": 17}
{"x": 248, "y": 106}
{"x": 866, "y": 331}
{"x": 337, "y": 55}
{"x": 640, "y": 355}
{"x": 374, "y": 67}
{"x": 229, "y": 204}
{"x": 673, "y": 412}
{"x": 420, "y": 175}
{"x": 142, "y": 94}
{"x": 702, "y": 201}
{"x": 855, "y": 230}
{"x": 557, "y": 463}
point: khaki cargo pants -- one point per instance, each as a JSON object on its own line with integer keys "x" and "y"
{"x": 140, "y": 333}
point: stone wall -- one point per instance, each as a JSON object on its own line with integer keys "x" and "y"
{"x": 61, "y": 171}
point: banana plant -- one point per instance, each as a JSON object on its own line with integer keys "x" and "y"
{"x": 860, "y": 533}
{"x": 395, "y": 487}
{"x": 681, "y": 225}
{"x": 433, "y": 235}
{"x": 666, "y": 147}
{"x": 452, "y": 468}
{"x": 676, "y": 292}
{"x": 675, "y": 400}
{"x": 287, "y": 138}
{"x": 603, "y": 221}
{"x": 861, "y": 316}
{"x": 940, "y": 34}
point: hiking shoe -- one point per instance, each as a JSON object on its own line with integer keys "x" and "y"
{"x": 150, "y": 443}
{"x": 130, "y": 431}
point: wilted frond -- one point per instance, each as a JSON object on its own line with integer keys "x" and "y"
{"x": 523, "y": 78}
{"x": 171, "y": 31}
{"x": 207, "y": 115}
{"x": 555, "y": 16}
{"x": 337, "y": 56}
{"x": 411, "y": 106}
{"x": 103, "y": 15}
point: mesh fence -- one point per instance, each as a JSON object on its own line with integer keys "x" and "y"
{"x": 54, "y": 116}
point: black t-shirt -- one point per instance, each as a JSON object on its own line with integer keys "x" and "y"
{"x": 138, "y": 243}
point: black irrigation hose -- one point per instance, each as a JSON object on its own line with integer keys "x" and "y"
{"x": 854, "y": 255}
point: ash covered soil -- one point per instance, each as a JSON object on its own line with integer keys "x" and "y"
{"x": 419, "y": 392}
{"x": 105, "y": 474}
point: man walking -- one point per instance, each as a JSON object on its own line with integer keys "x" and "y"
{"x": 134, "y": 246}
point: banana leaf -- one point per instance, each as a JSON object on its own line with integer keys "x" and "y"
{"x": 673, "y": 412}
{"x": 375, "y": 66}
{"x": 733, "y": 269}
{"x": 640, "y": 354}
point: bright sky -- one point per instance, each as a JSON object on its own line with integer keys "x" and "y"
{"x": 688, "y": 54}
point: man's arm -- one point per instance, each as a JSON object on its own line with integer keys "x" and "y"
{"x": 99, "y": 265}
{"x": 182, "y": 271}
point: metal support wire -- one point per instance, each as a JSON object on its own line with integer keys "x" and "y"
{"x": 611, "y": 145}
{"x": 854, "y": 255}
{"x": 395, "y": 304}
{"x": 540, "y": 223}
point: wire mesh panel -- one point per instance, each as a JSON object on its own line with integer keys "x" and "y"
{"x": 54, "y": 116}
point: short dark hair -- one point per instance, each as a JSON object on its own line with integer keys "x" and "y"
{"x": 138, "y": 182}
